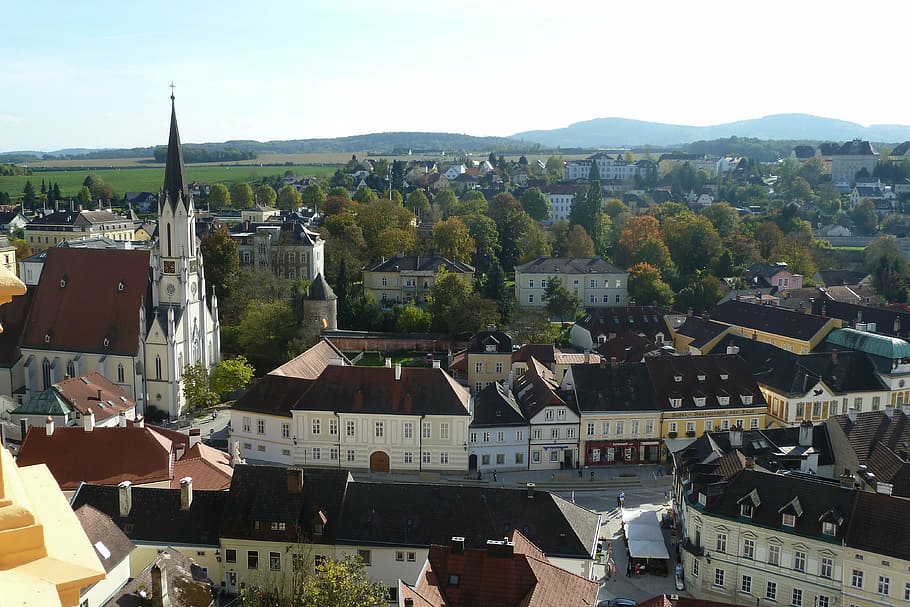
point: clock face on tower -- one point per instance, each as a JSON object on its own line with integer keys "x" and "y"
{"x": 170, "y": 267}
{"x": 171, "y": 289}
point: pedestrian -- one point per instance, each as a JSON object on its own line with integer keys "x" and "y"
{"x": 629, "y": 569}
{"x": 494, "y": 475}
{"x": 592, "y": 475}
{"x": 579, "y": 473}
{"x": 622, "y": 498}
{"x": 618, "y": 502}
{"x": 214, "y": 416}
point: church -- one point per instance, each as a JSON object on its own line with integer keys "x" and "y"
{"x": 138, "y": 316}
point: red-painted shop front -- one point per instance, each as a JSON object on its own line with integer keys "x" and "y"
{"x": 601, "y": 453}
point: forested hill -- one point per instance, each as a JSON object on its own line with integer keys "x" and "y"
{"x": 375, "y": 143}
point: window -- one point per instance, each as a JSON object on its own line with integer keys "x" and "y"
{"x": 635, "y": 427}
{"x": 499, "y": 367}
{"x": 649, "y": 427}
{"x": 351, "y": 455}
{"x": 412, "y": 557}
{"x": 537, "y": 433}
{"x": 333, "y": 454}
{"x": 745, "y": 510}
{"x": 817, "y": 408}
{"x": 473, "y": 437}
{"x": 672, "y": 427}
{"x": 500, "y": 436}
{"x": 349, "y": 427}
{"x": 500, "y": 458}
{"x": 907, "y": 591}
{"x": 444, "y": 431}
{"x": 485, "y": 460}
{"x": 826, "y": 567}
{"x": 799, "y": 560}
{"x": 789, "y": 520}
{"x": 260, "y": 447}
{"x": 719, "y": 577}
{"x": 230, "y": 555}
{"x": 252, "y": 559}
{"x": 399, "y": 555}
{"x": 333, "y": 427}
{"x": 884, "y": 585}
{"x": 379, "y": 429}
{"x": 856, "y": 580}
{"x": 519, "y": 458}
{"x": 443, "y": 458}
{"x": 260, "y": 426}
{"x": 274, "y": 561}
{"x": 535, "y": 457}
{"x": 753, "y": 423}
{"x": 829, "y": 528}
{"x": 246, "y": 424}
{"x": 427, "y": 430}
{"x": 408, "y": 457}
{"x": 425, "y": 458}
{"x": 746, "y": 585}
{"x": 317, "y": 453}
{"x": 478, "y": 367}
{"x": 486, "y": 437}
{"x": 618, "y": 298}
{"x": 554, "y": 455}
{"x": 694, "y": 567}
{"x": 800, "y": 409}
{"x": 478, "y": 386}
{"x": 620, "y": 428}
{"x": 822, "y": 601}
{"x": 771, "y": 591}
{"x": 876, "y": 403}
{"x": 285, "y": 431}
{"x": 530, "y": 283}
{"x": 796, "y": 599}
{"x": 530, "y": 298}
{"x": 749, "y": 549}
{"x": 548, "y": 415}
{"x": 409, "y": 431}
{"x": 570, "y": 432}
{"x": 690, "y": 426}
{"x": 561, "y": 414}
{"x": 317, "y": 427}
{"x": 725, "y": 424}
{"x": 720, "y": 544}
{"x": 278, "y": 526}
{"x": 593, "y": 283}
{"x": 384, "y": 281}
{"x": 605, "y": 428}
{"x": 119, "y": 372}
{"x": 592, "y": 298}
{"x": 554, "y": 432}
{"x": 366, "y": 557}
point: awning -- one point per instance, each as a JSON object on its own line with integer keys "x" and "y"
{"x": 642, "y": 549}
{"x": 677, "y": 444}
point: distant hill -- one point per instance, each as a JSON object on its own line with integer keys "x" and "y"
{"x": 612, "y": 132}
{"x": 375, "y": 143}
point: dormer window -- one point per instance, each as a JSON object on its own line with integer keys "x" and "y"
{"x": 63, "y": 282}
{"x": 106, "y": 342}
{"x": 677, "y": 378}
{"x": 788, "y": 520}
{"x": 829, "y": 528}
{"x": 747, "y": 399}
{"x": 699, "y": 401}
{"x": 490, "y": 348}
{"x": 724, "y": 376}
{"x": 701, "y": 377}
{"x": 121, "y": 285}
{"x": 723, "y": 400}
{"x": 745, "y": 510}
{"x": 676, "y": 403}
{"x": 47, "y": 338}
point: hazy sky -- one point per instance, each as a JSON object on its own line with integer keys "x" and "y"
{"x": 96, "y": 74}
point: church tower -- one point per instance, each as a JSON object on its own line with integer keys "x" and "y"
{"x": 184, "y": 328}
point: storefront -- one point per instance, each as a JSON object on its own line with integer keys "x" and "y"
{"x": 600, "y": 453}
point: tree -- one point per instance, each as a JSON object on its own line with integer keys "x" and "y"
{"x": 452, "y": 239}
{"x": 412, "y": 319}
{"x": 219, "y": 254}
{"x": 313, "y": 196}
{"x": 265, "y": 330}
{"x": 241, "y": 195}
{"x": 266, "y": 195}
{"x": 444, "y": 202}
{"x": 394, "y": 240}
{"x": 578, "y": 243}
{"x": 472, "y": 202}
{"x": 864, "y": 216}
{"x": 594, "y": 172}
{"x": 28, "y": 195}
{"x": 196, "y": 390}
{"x": 532, "y": 325}
{"x": 398, "y": 176}
{"x": 232, "y": 374}
{"x": 289, "y": 198}
{"x": 493, "y": 287}
{"x": 418, "y": 202}
{"x": 85, "y": 196}
{"x": 364, "y": 194}
{"x": 341, "y": 583}
{"x": 723, "y": 217}
{"x": 560, "y": 301}
{"x": 884, "y": 260}
{"x": 693, "y": 242}
{"x": 614, "y": 206}
{"x": 647, "y": 287}
{"x": 637, "y": 233}
{"x": 456, "y": 308}
{"x": 702, "y": 293}
{"x": 536, "y": 204}
{"x": 768, "y": 236}
{"x": 341, "y": 179}
{"x": 533, "y": 242}
{"x": 219, "y": 196}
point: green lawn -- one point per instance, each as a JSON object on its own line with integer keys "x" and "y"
{"x": 406, "y": 359}
{"x": 150, "y": 179}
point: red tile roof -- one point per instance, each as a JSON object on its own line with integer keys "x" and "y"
{"x": 96, "y": 392}
{"x": 209, "y": 468}
{"x": 87, "y": 296}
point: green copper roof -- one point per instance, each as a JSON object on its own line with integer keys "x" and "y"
{"x": 870, "y": 343}
{"x": 46, "y": 402}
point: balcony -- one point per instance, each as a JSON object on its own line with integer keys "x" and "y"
{"x": 692, "y": 548}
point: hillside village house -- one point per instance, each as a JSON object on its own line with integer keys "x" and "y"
{"x": 847, "y": 159}
{"x": 562, "y": 197}
{"x": 594, "y": 281}
{"x": 286, "y": 247}
{"x": 773, "y": 275}
{"x": 499, "y": 431}
{"x": 408, "y": 278}
{"x": 610, "y": 168}
{"x": 487, "y": 359}
{"x": 553, "y": 421}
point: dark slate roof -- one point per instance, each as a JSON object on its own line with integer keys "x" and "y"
{"x": 701, "y": 330}
{"x": 263, "y": 493}
{"x": 156, "y": 517}
{"x": 629, "y": 348}
{"x": 606, "y": 388}
{"x": 646, "y": 320}
{"x": 320, "y": 290}
{"x": 422, "y": 263}
{"x": 495, "y": 406}
{"x": 703, "y": 376}
{"x": 872, "y": 525}
{"x": 273, "y": 395}
{"x": 857, "y": 147}
{"x": 174, "y": 172}
{"x": 420, "y": 391}
{"x": 407, "y": 514}
{"x": 188, "y": 584}
{"x": 770, "y": 319}
{"x": 901, "y": 150}
{"x": 100, "y": 529}
{"x": 887, "y": 321}
{"x": 537, "y": 389}
{"x": 879, "y": 440}
{"x": 568, "y": 265}
{"x": 768, "y": 446}
{"x": 793, "y": 374}
{"x": 812, "y": 499}
{"x": 545, "y": 353}
{"x": 501, "y": 340}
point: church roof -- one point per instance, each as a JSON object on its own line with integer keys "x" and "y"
{"x": 320, "y": 290}
{"x": 174, "y": 171}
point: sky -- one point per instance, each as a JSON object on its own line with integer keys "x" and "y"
{"x": 95, "y": 74}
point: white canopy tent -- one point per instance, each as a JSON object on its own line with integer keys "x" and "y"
{"x": 644, "y": 535}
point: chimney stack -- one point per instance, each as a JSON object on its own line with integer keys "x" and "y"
{"x": 398, "y": 372}
{"x": 805, "y": 433}
{"x": 457, "y": 544}
{"x": 731, "y": 349}
{"x": 122, "y": 421}
{"x": 100, "y": 395}
{"x": 186, "y": 492}
{"x": 139, "y": 422}
{"x": 49, "y": 426}
{"x": 587, "y": 357}
{"x": 295, "y": 480}
{"x": 409, "y": 602}
{"x": 159, "y": 586}
{"x": 613, "y": 362}
{"x": 530, "y": 487}
{"x": 195, "y": 437}
{"x": 88, "y": 420}
{"x": 884, "y": 488}
{"x": 125, "y": 495}
{"x": 502, "y": 549}
{"x": 388, "y": 363}
{"x": 736, "y": 436}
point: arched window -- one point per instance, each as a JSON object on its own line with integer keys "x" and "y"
{"x": 157, "y": 367}
{"x": 46, "y": 373}
{"x": 119, "y": 373}
{"x": 71, "y": 368}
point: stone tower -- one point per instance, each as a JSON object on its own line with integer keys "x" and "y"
{"x": 320, "y": 307}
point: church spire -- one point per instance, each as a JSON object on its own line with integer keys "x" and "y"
{"x": 174, "y": 172}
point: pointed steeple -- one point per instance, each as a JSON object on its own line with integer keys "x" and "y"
{"x": 174, "y": 172}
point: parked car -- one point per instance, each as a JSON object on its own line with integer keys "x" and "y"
{"x": 617, "y": 602}
{"x": 680, "y": 578}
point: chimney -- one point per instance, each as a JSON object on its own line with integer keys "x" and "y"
{"x": 139, "y": 422}
{"x": 889, "y": 411}
{"x": 100, "y": 395}
{"x": 336, "y": 361}
{"x": 736, "y": 436}
{"x": 437, "y": 364}
{"x": 295, "y": 480}
{"x": 805, "y": 434}
{"x": 179, "y": 450}
{"x": 186, "y": 492}
{"x": 500, "y": 549}
{"x": 750, "y": 463}
{"x": 847, "y": 480}
{"x": 88, "y": 420}
{"x": 388, "y": 363}
{"x": 49, "y": 426}
{"x": 613, "y": 362}
{"x": 398, "y": 372}
{"x": 159, "y": 586}
{"x": 587, "y": 357}
{"x": 884, "y": 488}
{"x": 731, "y": 349}
{"x": 852, "y": 414}
{"x": 195, "y": 437}
{"x": 833, "y": 357}
{"x": 125, "y": 494}
{"x": 457, "y": 544}
{"x": 122, "y": 421}
{"x": 530, "y": 487}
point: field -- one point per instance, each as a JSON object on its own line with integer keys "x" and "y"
{"x": 148, "y": 178}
